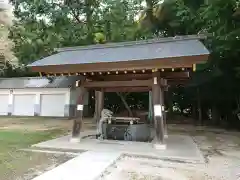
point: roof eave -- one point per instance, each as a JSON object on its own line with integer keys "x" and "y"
{"x": 175, "y": 62}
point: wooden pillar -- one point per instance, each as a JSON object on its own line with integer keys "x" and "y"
{"x": 150, "y": 109}
{"x": 99, "y": 104}
{"x": 77, "y": 123}
{"x": 98, "y": 109}
{"x": 96, "y": 115}
{"x": 164, "y": 114}
{"x": 158, "y": 115}
{"x": 200, "y": 119}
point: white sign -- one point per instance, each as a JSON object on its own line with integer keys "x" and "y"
{"x": 158, "y": 110}
{"x": 155, "y": 80}
{"x": 79, "y": 107}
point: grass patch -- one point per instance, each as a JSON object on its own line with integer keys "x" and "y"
{"x": 13, "y": 140}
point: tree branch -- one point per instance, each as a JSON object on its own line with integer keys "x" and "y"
{"x": 73, "y": 12}
{"x": 75, "y": 15}
{"x": 125, "y": 104}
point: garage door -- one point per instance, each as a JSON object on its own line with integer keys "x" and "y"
{"x": 52, "y": 105}
{"x": 23, "y": 104}
{"x": 3, "y": 104}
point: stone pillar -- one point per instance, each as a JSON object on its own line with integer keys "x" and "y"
{"x": 158, "y": 114}
{"x": 77, "y": 123}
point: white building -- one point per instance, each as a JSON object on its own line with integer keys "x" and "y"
{"x": 54, "y": 97}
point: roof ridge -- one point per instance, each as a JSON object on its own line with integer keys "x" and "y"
{"x": 131, "y": 43}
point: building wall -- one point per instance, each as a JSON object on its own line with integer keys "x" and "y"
{"x": 71, "y": 96}
{"x": 37, "y": 93}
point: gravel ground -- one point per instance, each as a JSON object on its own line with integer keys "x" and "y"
{"x": 221, "y": 150}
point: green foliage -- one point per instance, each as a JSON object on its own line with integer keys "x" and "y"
{"x": 218, "y": 81}
{"x": 42, "y": 25}
{"x": 20, "y": 71}
{"x": 99, "y": 38}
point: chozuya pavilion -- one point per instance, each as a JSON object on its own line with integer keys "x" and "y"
{"x": 137, "y": 66}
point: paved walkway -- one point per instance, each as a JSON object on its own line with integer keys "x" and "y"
{"x": 87, "y": 166}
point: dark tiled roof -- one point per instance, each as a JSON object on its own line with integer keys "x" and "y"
{"x": 127, "y": 51}
{"x": 38, "y": 82}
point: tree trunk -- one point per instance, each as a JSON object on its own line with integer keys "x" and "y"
{"x": 89, "y": 11}
{"x": 125, "y": 104}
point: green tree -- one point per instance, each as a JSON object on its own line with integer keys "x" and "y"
{"x": 218, "y": 82}
{"x": 42, "y": 25}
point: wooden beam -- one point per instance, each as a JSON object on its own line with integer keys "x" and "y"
{"x": 125, "y": 77}
{"x": 139, "y": 88}
{"x": 127, "y": 89}
{"x": 143, "y": 76}
{"x": 175, "y": 75}
{"x": 106, "y": 84}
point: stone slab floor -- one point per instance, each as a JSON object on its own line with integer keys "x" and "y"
{"x": 179, "y": 147}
